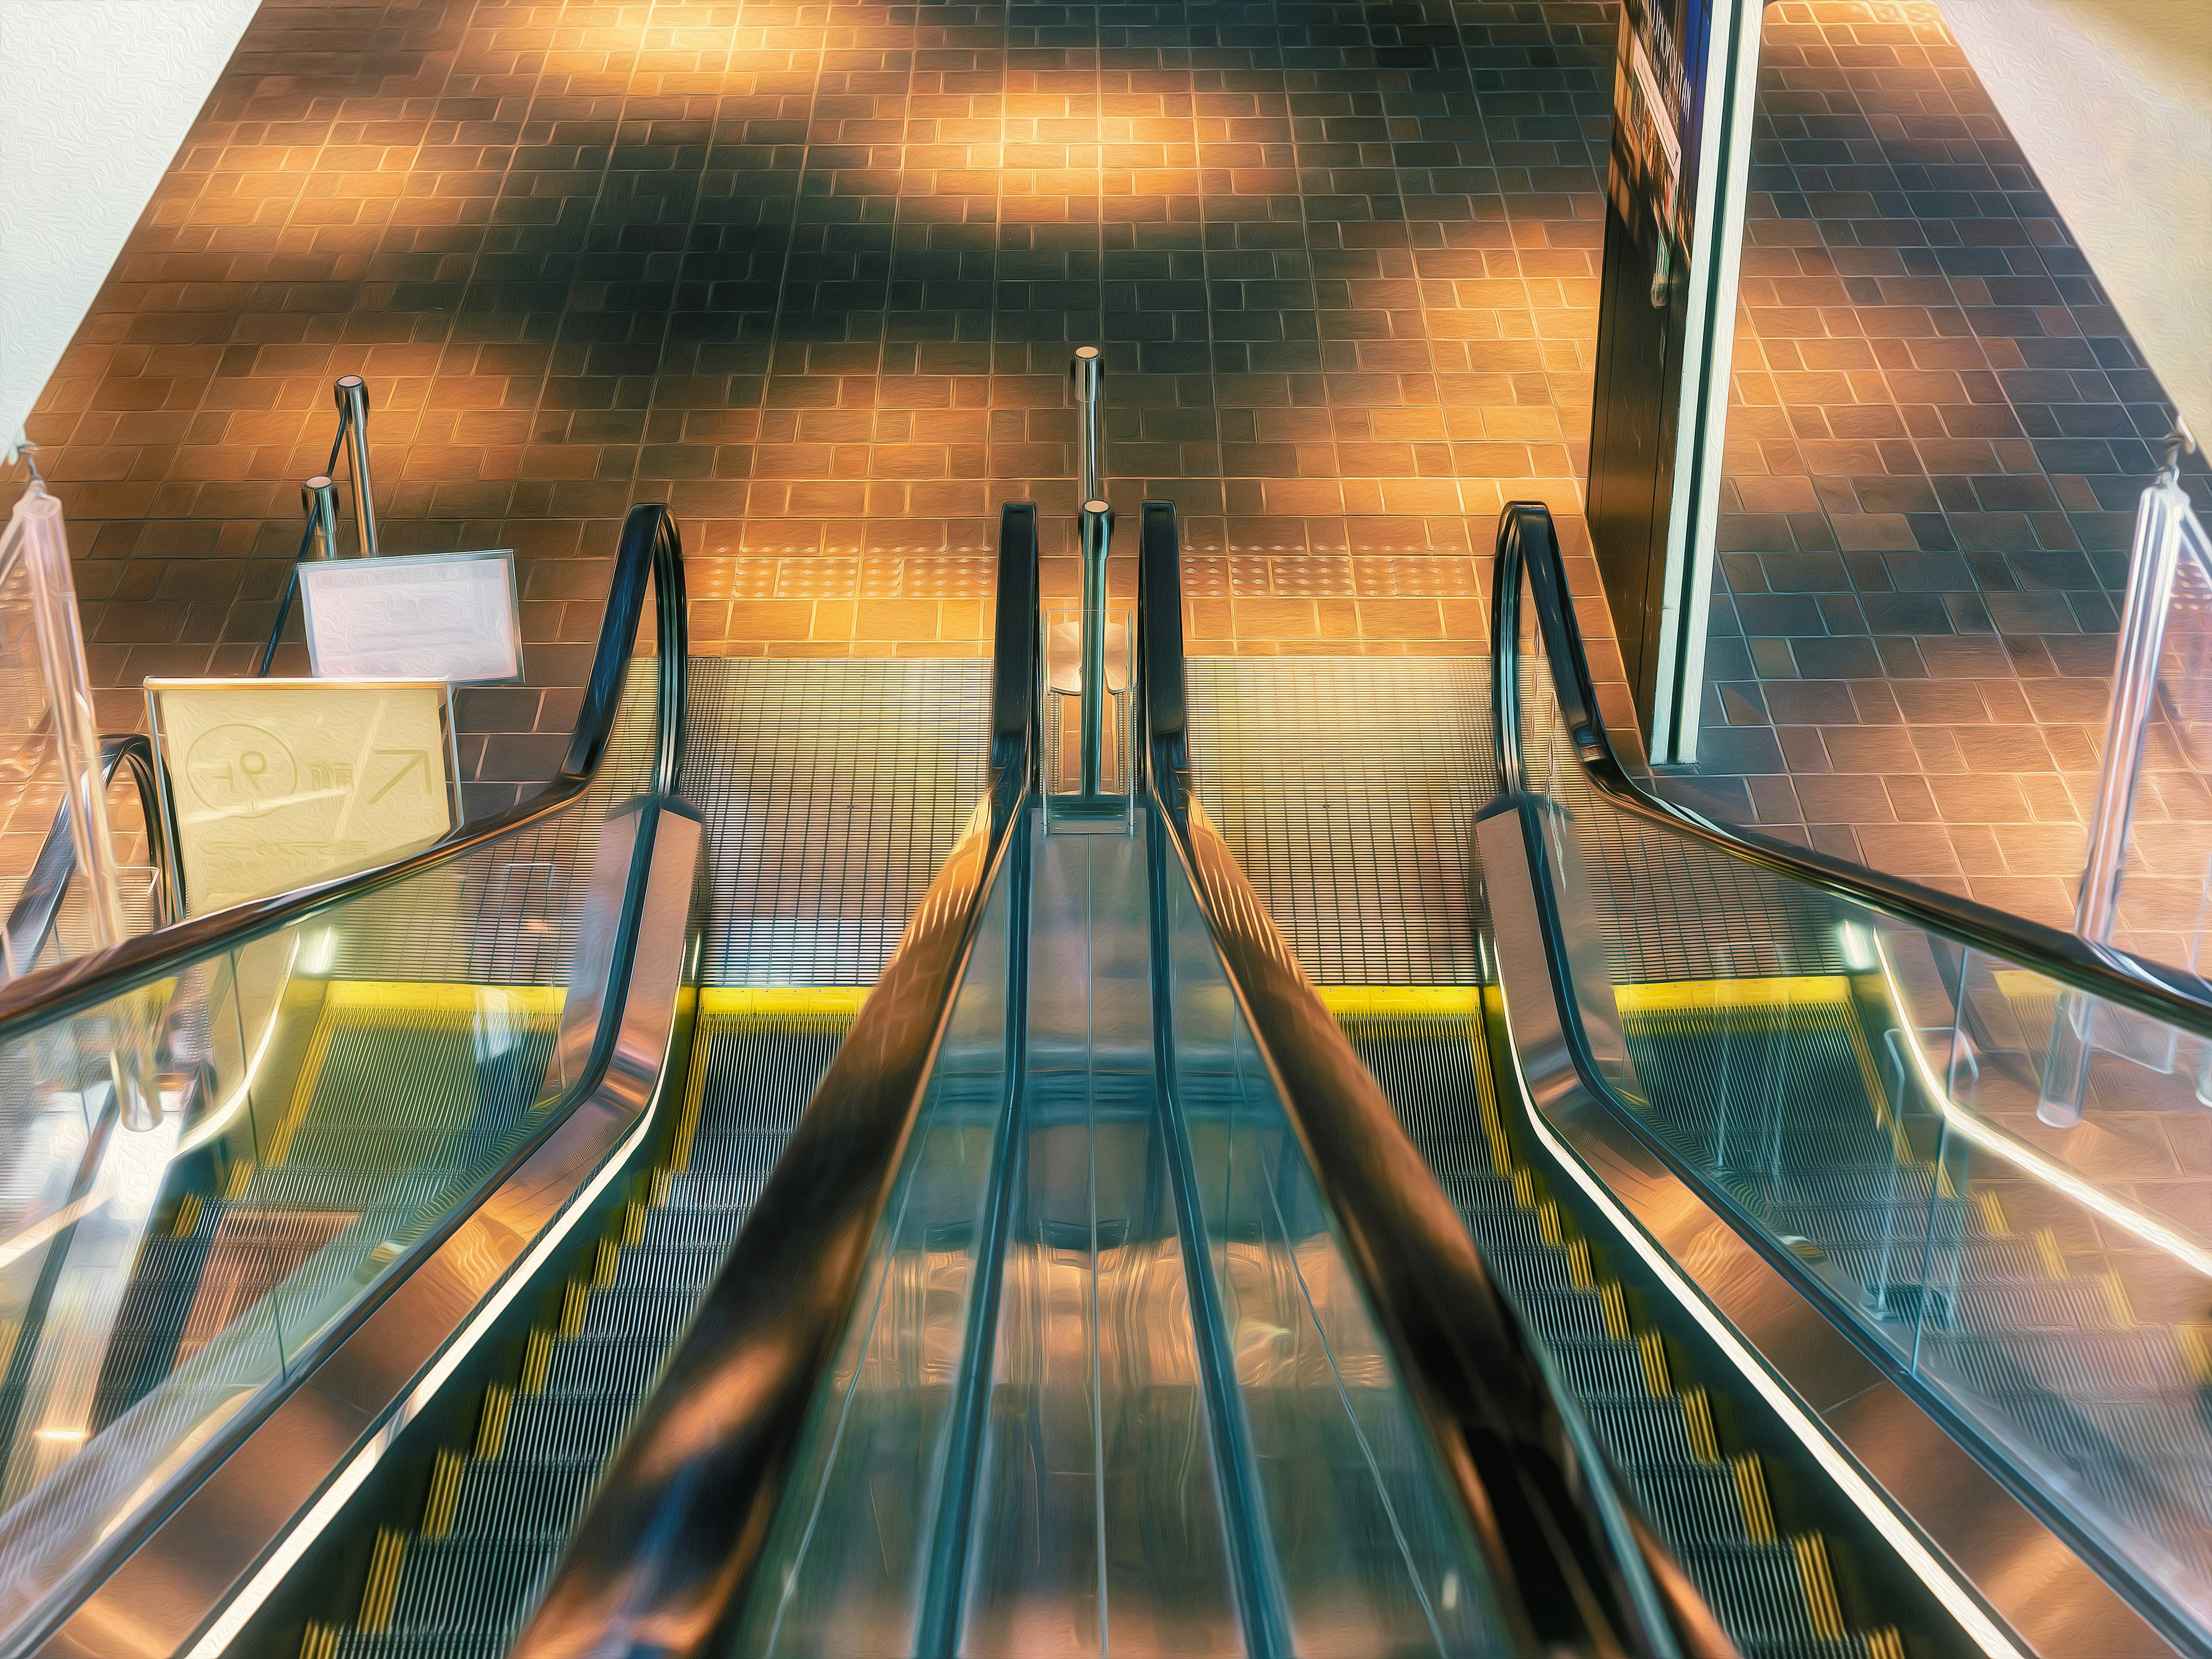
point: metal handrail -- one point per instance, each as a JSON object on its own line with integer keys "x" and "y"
{"x": 683, "y": 1518}
{"x": 31, "y": 918}
{"x": 1526, "y": 544}
{"x": 1538, "y": 1495}
{"x": 651, "y": 550}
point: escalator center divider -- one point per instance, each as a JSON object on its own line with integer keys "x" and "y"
{"x": 667, "y": 1551}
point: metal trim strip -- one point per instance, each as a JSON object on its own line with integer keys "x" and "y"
{"x": 1993, "y": 1563}
{"x": 201, "y": 1570}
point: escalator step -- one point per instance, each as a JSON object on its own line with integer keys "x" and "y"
{"x": 446, "y": 1582}
{"x": 467, "y": 1590}
{"x": 1700, "y": 1500}
{"x": 1601, "y": 1370}
{"x": 565, "y": 1422}
{"x": 1642, "y": 1434}
{"x": 513, "y": 1497}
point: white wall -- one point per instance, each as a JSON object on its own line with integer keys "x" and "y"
{"x": 2111, "y": 102}
{"x": 95, "y": 97}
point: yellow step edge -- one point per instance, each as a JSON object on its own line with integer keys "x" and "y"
{"x": 444, "y": 1499}
{"x": 1822, "y": 1605}
{"x": 1651, "y": 997}
{"x": 1772, "y": 991}
{"x": 773, "y": 1001}
{"x": 436, "y": 997}
{"x": 1751, "y": 1496}
{"x": 1400, "y": 1001}
{"x": 381, "y": 1596}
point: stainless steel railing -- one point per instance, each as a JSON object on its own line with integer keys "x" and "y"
{"x": 1095, "y": 540}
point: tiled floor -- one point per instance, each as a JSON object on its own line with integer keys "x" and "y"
{"x": 1938, "y": 431}
{"x": 812, "y": 276}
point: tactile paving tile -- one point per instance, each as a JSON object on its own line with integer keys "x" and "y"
{"x": 1347, "y": 788}
{"x": 832, "y": 790}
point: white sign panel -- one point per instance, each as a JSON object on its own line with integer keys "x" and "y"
{"x": 451, "y": 617}
{"x": 272, "y": 784}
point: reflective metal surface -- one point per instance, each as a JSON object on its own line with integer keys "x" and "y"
{"x": 1108, "y": 1386}
{"x": 1088, "y": 372}
{"x": 1365, "y": 1549}
{"x": 163, "y": 1591}
{"x": 1881, "y": 1445}
{"x": 851, "y": 1566}
{"x": 1098, "y": 1525}
{"x": 1855, "y": 1093}
{"x": 352, "y": 395}
{"x": 1547, "y": 1520}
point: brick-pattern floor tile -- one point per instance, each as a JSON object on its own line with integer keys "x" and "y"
{"x": 1938, "y": 433}
{"x": 812, "y": 276}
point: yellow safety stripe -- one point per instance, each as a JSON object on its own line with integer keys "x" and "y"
{"x": 773, "y": 1001}
{"x": 1770, "y": 991}
{"x": 1400, "y": 1001}
{"x": 2020, "y": 985}
{"x": 436, "y": 997}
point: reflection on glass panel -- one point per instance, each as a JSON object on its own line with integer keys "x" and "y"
{"x": 1371, "y": 1555}
{"x": 1877, "y": 1101}
{"x": 329, "y": 1095}
{"x": 843, "y": 1573}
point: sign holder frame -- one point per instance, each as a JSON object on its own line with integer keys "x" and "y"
{"x": 314, "y": 571}
{"x": 173, "y": 839}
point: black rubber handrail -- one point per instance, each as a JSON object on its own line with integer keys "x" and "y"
{"x": 651, "y": 552}
{"x": 31, "y": 918}
{"x": 1541, "y": 1506}
{"x": 1526, "y": 542}
{"x": 676, "y": 1532}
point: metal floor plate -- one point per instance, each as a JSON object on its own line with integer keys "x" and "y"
{"x": 508, "y": 914}
{"x": 832, "y": 790}
{"x": 1347, "y": 789}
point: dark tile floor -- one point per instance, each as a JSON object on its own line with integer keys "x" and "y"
{"x": 812, "y": 274}
{"x": 1939, "y": 430}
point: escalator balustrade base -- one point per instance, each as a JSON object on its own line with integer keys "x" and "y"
{"x": 499, "y": 1510}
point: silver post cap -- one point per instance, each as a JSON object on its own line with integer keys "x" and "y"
{"x": 1089, "y": 369}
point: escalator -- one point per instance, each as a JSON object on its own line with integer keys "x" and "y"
{"x": 1388, "y": 1186}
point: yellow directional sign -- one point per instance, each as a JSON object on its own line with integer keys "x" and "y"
{"x": 272, "y": 784}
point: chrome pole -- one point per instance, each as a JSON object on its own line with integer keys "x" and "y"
{"x": 353, "y": 408}
{"x": 319, "y": 498}
{"x": 1094, "y": 534}
{"x": 1090, "y": 372}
